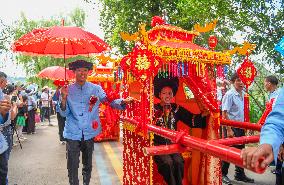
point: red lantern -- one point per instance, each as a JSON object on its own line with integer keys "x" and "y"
{"x": 212, "y": 41}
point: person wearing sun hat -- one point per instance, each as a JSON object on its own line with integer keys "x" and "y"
{"x": 45, "y": 102}
{"x": 167, "y": 114}
{"x": 80, "y": 105}
{"x": 5, "y": 130}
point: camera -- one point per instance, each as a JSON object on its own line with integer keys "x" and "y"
{"x": 9, "y": 89}
{"x": 14, "y": 99}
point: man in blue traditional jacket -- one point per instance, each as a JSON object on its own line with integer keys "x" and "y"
{"x": 82, "y": 119}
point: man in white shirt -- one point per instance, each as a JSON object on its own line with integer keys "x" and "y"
{"x": 270, "y": 85}
{"x": 45, "y": 99}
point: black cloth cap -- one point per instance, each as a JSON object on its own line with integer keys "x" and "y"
{"x": 161, "y": 82}
{"x": 80, "y": 64}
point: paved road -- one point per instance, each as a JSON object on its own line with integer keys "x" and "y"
{"x": 42, "y": 162}
{"x": 264, "y": 179}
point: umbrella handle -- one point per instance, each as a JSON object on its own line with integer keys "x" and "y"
{"x": 64, "y": 61}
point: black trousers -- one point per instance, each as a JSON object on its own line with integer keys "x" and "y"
{"x": 61, "y": 125}
{"x": 73, "y": 153}
{"x": 171, "y": 167}
{"x": 279, "y": 173}
{"x": 4, "y": 157}
{"x": 225, "y": 165}
{"x": 31, "y": 121}
{"x": 45, "y": 113}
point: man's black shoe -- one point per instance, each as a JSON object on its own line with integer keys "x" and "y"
{"x": 244, "y": 178}
{"x": 276, "y": 171}
{"x": 226, "y": 180}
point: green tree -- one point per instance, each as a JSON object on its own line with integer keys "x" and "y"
{"x": 260, "y": 22}
{"x": 5, "y": 36}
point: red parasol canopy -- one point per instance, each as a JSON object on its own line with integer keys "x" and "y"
{"x": 56, "y": 73}
{"x": 59, "y": 41}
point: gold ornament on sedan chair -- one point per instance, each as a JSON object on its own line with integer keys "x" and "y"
{"x": 142, "y": 62}
{"x": 208, "y": 27}
{"x": 129, "y": 37}
{"x": 247, "y": 48}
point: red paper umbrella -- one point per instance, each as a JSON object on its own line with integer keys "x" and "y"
{"x": 59, "y": 41}
{"x": 56, "y": 73}
{"x": 33, "y": 33}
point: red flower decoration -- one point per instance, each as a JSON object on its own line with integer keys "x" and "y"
{"x": 93, "y": 101}
{"x": 95, "y": 125}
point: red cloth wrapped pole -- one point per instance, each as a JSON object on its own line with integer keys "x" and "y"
{"x": 238, "y": 124}
{"x": 165, "y": 149}
{"x": 237, "y": 140}
{"x": 223, "y": 152}
{"x": 267, "y": 110}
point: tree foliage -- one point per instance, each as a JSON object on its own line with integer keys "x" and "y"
{"x": 260, "y": 22}
{"x": 5, "y": 36}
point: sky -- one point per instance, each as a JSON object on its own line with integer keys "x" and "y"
{"x": 10, "y": 11}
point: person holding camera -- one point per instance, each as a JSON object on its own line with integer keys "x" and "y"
{"x": 11, "y": 94}
{"x": 167, "y": 114}
{"x": 6, "y": 114}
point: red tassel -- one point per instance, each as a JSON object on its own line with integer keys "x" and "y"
{"x": 220, "y": 72}
{"x": 169, "y": 69}
{"x": 246, "y": 108}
